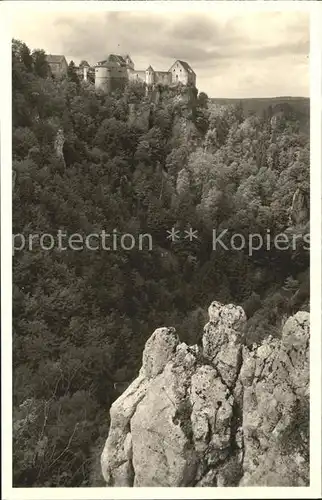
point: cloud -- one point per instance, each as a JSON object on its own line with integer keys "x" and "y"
{"x": 219, "y": 46}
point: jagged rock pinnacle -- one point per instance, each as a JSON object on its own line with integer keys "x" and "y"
{"x": 223, "y": 417}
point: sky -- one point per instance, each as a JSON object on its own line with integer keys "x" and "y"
{"x": 234, "y": 54}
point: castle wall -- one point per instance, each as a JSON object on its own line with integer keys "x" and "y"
{"x": 137, "y": 76}
{"x": 178, "y": 74}
{"x": 110, "y": 75}
{"x": 58, "y": 69}
{"x": 149, "y": 77}
{"x": 109, "y": 78}
{"x": 118, "y": 72}
{"x": 102, "y": 80}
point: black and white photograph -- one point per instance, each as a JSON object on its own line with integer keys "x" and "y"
{"x": 160, "y": 208}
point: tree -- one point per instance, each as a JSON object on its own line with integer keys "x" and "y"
{"x": 22, "y": 53}
{"x": 41, "y": 66}
{"x": 72, "y": 74}
{"x": 203, "y": 100}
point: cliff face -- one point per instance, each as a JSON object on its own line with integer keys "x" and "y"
{"x": 59, "y": 145}
{"x": 299, "y": 211}
{"x": 218, "y": 414}
{"x": 181, "y": 101}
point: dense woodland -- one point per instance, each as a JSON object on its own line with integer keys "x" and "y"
{"x": 141, "y": 164}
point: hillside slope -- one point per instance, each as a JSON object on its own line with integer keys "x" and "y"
{"x": 265, "y": 105}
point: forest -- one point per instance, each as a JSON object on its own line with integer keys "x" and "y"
{"x": 141, "y": 163}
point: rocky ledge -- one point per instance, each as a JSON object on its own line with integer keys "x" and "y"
{"x": 218, "y": 414}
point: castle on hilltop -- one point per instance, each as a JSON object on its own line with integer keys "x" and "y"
{"x": 115, "y": 71}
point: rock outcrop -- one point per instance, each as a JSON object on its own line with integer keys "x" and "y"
{"x": 299, "y": 211}
{"x": 140, "y": 114}
{"x": 59, "y": 145}
{"x": 218, "y": 414}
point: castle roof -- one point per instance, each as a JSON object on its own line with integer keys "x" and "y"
{"x": 52, "y": 58}
{"x": 113, "y": 58}
{"x": 84, "y": 64}
{"x": 150, "y": 68}
{"x": 186, "y": 66}
{"x": 117, "y": 59}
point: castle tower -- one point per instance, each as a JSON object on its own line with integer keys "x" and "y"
{"x": 149, "y": 76}
{"x": 111, "y": 74}
{"x": 102, "y": 76}
{"x": 84, "y": 67}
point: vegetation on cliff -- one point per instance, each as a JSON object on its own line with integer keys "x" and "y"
{"x": 138, "y": 164}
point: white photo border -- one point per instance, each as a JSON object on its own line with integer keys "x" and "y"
{"x": 7, "y": 11}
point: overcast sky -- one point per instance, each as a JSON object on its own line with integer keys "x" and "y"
{"x": 251, "y": 54}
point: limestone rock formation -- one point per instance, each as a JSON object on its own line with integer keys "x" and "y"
{"x": 299, "y": 211}
{"x": 139, "y": 115}
{"x": 275, "y": 378}
{"x": 217, "y": 415}
{"x": 59, "y": 144}
{"x": 183, "y": 182}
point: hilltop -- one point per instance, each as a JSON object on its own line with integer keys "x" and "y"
{"x": 260, "y": 105}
